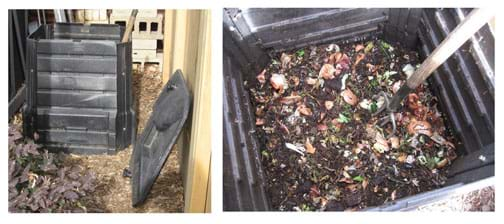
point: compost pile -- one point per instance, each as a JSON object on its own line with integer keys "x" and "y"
{"x": 322, "y": 146}
{"x": 39, "y": 182}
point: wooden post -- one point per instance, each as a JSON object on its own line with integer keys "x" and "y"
{"x": 471, "y": 24}
{"x": 168, "y": 31}
{"x": 197, "y": 182}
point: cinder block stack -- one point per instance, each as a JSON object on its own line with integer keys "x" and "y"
{"x": 93, "y": 16}
{"x": 148, "y": 29}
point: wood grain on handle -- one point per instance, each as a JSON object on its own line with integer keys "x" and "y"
{"x": 470, "y": 25}
{"x": 129, "y": 26}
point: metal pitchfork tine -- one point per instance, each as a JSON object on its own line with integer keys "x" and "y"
{"x": 386, "y": 106}
{"x": 458, "y": 36}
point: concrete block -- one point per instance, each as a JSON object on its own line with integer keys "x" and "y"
{"x": 140, "y": 63}
{"x": 141, "y": 12}
{"x": 144, "y": 44}
{"x": 144, "y": 54}
{"x": 95, "y": 14}
{"x": 145, "y": 27}
{"x": 96, "y": 22}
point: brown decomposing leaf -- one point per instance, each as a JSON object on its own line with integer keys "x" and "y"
{"x": 259, "y": 121}
{"x": 292, "y": 99}
{"x": 402, "y": 157}
{"x": 309, "y": 147}
{"x": 329, "y": 104}
{"x": 311, "y": 81}
{"x": 259, "y": 111}
{"x": 261, "y": 78}
{"x": 278, "y": 82}
{"x": 286, "y": 60}
{"x": 413, "y": 103}
{"x": 381, "y": 144}
{"x": 365, "y": 183}
{"x": 442, "y": 163}
{"x": 304, "y": 110}
{"x": 334, "y": 58}
{"x": 327, "y": 71}
{"x": 394, "y": 142}
{"x": 349, "y": 97}
{"x": 359, "y": 47}
{"x": 358, "y": 59}
{"x": 322, "y": 127}
{"x": 419, "y": 127}
{"x": 295, "y": 80}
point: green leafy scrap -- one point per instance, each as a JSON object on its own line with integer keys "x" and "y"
{"x": 343, "y": 119}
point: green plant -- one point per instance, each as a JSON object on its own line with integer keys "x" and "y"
{"x": 358, "y": 178}
{"x": 342, "y": 118}
{"x": 300, "y": 53}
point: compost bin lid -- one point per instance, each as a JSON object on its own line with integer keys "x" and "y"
{"x": 156, "y": 141}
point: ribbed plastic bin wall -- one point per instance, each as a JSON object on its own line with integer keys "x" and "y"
{"x": 79, "y": 92}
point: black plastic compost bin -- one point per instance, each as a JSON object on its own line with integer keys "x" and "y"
{"x": 464, "y": 85}
{"x": 79, "y": 93}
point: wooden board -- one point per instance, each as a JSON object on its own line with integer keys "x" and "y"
{"x": 187, "y": 43}
{"x": 197, "y": 183}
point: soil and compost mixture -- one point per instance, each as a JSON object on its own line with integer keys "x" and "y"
{"x": 322, "y": 145}
{"x": 41, "y": 181}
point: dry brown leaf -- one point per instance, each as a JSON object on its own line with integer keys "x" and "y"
{"x": 286, "y": 60}
{"x": 334, "y": 58}
{"x": 419, "y": 127}
{"x": 343, "y": 62}
{"x": 311, "y": 81}
{"x": 309, "y": 147}
{"x": 365, "y": 183}
{"x": 347, "y": 175}
{"x": 381, "y": 144}
{"x": 442, "y": 163}
{"x": 394, "y": 142}
{"x": 413, "y": 101}
{"x": 284, "y": 128}
{"x": 259, "y": 121}
{"x": 295, "y": 79}
{"x": 402, "y": 157}
{"x": 278, "y": 82}
{"x": 371, "y": 67}
{"x": 261, "y": 77}
{"x": 357, "y": 149}
{"x": 304, "y": 110}
{"x": 359, "y": 47}
{"x": 349, "y": 97}
{"x": 336, "y": 123}
{"x": 288, "y": 100}
{"x": 352, "y": 187}
{"x": 322, "y": 127}
{"x": 329, "y": 104}
{"x": 322, "y": 116}
{"x": 259, "y": 111}
{"x": 359, "y": 58}
{"x": 327, "y": 71}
